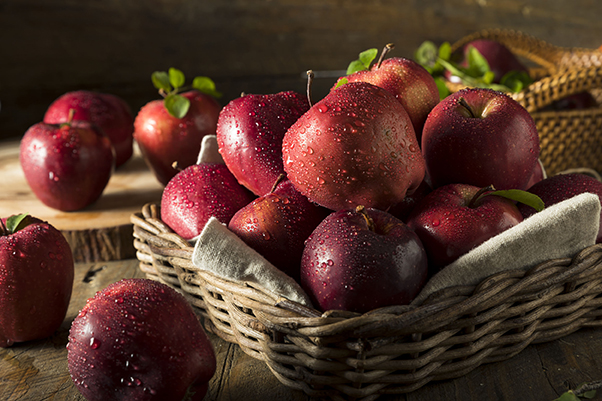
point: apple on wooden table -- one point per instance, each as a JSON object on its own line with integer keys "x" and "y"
{"x": 67, "y": 165}
{"x": 171, "y": 129}
{"x": 139, "y": 339}
{"x": 109, "y": 112}
{"x": 36, "y": 279}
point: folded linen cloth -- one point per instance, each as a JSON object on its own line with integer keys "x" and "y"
{"x": 558, "y": 231}
{"x": 220, "y": 251}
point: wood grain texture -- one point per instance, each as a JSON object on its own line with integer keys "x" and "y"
{"x": 37, "y": 370}
{"x": 258, "y": 46}
{"x": 100, "y": 232}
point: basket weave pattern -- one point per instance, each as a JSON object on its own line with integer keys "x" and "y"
{"x": 391, "y": 350}
{"x": 569, "y": 138}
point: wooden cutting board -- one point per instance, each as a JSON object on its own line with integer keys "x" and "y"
{"x": 100, "y": 232}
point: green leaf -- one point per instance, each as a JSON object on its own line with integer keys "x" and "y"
{"x": 176, "y": 105}
{"x": 341, "y": 82}
{"x": 516, "y": 81}
{"x": 426, "y": 54}
{"x": 367, "y": 57}
{"x": 589, "y": 394}
{"x": 16, "y": 222}
{"x": 161, "y": 80}
{"x": 521, "y": 196}
{"x": 176, "y": 78}
{"x": 355, "y": 66}
{"x": 568, "y": 396}
{"x": 445, "y": 51}
{"x": 477, "y": 64}
{"x": 205, "y": 85}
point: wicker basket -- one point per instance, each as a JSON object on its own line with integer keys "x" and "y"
{"x": 391, "y": 350}
{"x": 569, "y": 138}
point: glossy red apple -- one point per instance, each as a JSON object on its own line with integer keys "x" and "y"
{"x": 109, "y": 112}
{"x": 354, "y": 147}
{"x": 139, "y": 339}
{"x": 277, "y": 224}
{"x": 561, "y": 187}
{"x": 36, "y": 279}
{"x": 411, "y": 84}
{"x": 455, "y": 218}
{"x": 165, "y": 139}
{"x": 359, "y": 260}
{"x": 199, "y": 192}
{"x": 67, "y": 165}
{"x": 403, "y": 209}
{"x": 480, "y": 137}
{"x": 250, "y": 130}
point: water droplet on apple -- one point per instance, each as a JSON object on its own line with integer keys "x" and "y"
{"x": 435, "y": 223}
{"x": 94, "y": 343}
{"x": 322, "y": 108}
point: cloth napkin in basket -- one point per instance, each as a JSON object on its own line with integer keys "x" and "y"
{"x": 558, "y": 231}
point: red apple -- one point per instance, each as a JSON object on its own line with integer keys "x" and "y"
{"x": 139, "y": 339}
{"x": 411, "y": 84}
{"x": 455, "y": 218}
{"x": 250, "y": 130}
{"x": 354, "y": 147}
{"x": 403, "y": 209}
{"x": 199, "y": 192}
{"x": 538, "y": 174}
{"x": 359, "y": 260}
{"x": 277, "y": 224}
{"x": 109, "y": 112}
{"x": 561, "y": 187}
{"x": 36, "y": 279}
{"x": 480, "y": 137}
{"x": 165, "y": 139}
{"x": 67, "y": 166}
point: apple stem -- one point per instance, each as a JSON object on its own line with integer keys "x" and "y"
{"x": 70, "y": 116}
{"x": 464, "y": 104}
{"x": 310, "y": 79}
{"x": 362, "y": 210}
{"x": 176, "y": 166}
{"x": 388, "y": 47}
{"x": 3, "y": 229}
{"x": 280, "y": 178}
{"x": 479, "y": 194}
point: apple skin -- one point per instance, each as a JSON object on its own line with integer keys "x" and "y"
{"x": 500, "y": 59}
{"x": 354, "y": 147}
{"x": 403, "y": 209}
{"x": 277, "y": 224}
{"x": 199, "y": 192}
{"x": 411, "y": 84}
{"x": 139, "y": 339}
{"x": 36, "y": 280}
{"x": 348, "y": 266}
{"x": 250, "y": 130}
{"x": 449, "y": 227}
{"x": 165, "y": 139}
{"x": 107, "y": 111}
{"x": 495, "y": 143}
{"x": 561, "y": 187}
{"x": 67, "y": 166}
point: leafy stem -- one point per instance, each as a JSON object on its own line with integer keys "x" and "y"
{"x": 171, "y": 83}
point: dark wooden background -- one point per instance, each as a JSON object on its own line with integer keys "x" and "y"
{"x": 48, "y": 47}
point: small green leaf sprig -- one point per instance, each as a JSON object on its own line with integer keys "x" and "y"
{"x": 584, "y": 391}
{"x": 437, "y": 60}
{"x": 14, "y": 223}
{"x": 364, "y": 61}
{"x": 171, "y": 83}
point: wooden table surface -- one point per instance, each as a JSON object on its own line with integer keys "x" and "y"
{"x": 38, "y": 370}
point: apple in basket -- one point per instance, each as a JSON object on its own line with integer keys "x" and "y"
{"x": 171, "y": 129}
{"x": 139, "y": 339}
{"x": 277, "y": 224}
{"x": 359, "y": 260}
{"x": 250, "y": 130}
{"x": 455, "y": 218}
{"x": 67, "y": 165}
{"x": 480, "y": 137}
{"x": 199, "y": 192}
{"x": 107, "y": 111}
{"x": 36, "y": 279}
{"x": 561, "y": 187}
{"x": 356, "y": 146}
{"x": 410, "y": 82}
